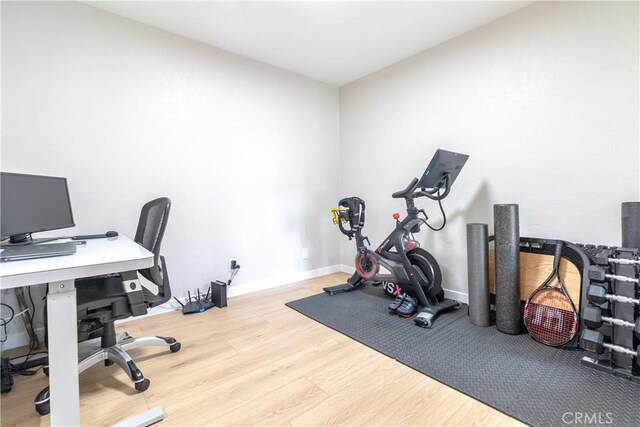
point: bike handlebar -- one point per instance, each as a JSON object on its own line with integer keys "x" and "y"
{"x": 410, "y": 189}
{"x": 410, "y": 192}
{"x": 432, "y": 194}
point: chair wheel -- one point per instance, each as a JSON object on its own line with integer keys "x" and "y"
{"x": 142, "y": 385}
{"x": 43, "y": 408}
{"x": 45, "y": 370}
{"x": 175, "y": 347}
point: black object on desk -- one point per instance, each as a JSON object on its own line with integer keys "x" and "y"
{"x": 96, "y": 236}
{"x": 31, "y": 204}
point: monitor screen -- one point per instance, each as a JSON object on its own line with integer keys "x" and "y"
{"x": 32, "y": 203}
{"x": 443, "y": 162}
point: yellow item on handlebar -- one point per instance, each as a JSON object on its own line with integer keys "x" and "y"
{"x": 338, "y": 216}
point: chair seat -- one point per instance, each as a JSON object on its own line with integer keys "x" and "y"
{"x": 102, "y": 291}
{"x": 98, "y": 287}
{"x": 101, "y": 298}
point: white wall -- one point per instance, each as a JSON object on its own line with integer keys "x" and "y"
{"x": 544, "y": 100}
{"x": 246, "y": 152}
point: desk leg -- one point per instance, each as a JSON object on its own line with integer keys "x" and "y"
{"x": 63, "y": 354}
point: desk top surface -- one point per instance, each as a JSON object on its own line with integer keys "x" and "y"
{"x": 97, "y": 257}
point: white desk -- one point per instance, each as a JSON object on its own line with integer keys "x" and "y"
{"x": 97, "y": 257}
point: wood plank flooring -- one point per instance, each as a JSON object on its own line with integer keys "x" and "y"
{"x": 259, "y": 362}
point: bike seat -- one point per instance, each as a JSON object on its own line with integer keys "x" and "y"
{"x": 403, "y": 193}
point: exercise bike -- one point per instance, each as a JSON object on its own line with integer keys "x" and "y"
{"x": 399, "y": 258}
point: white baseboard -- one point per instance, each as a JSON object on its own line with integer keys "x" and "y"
{"x": 456, "y": 295}
{"x": 246, "y": 288}
{"x": 288, "y": 279}
{"x": 346, "y": 268}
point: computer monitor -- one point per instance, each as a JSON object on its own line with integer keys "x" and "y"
{"x": 443, "y": 162}
{"x": 33, "y": 203}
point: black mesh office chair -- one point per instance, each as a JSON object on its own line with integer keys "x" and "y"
{"x": 102, "y": 300}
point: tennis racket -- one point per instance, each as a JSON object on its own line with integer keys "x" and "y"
{"x": 549, "y": 314}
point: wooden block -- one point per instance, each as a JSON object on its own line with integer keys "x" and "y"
{"x": 534, "y": 269}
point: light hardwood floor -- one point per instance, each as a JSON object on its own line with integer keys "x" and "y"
{"x": 259, "y": 362}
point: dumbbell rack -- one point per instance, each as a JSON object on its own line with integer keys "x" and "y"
{"x": 616, "y": 362}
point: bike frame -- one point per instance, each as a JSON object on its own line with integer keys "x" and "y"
{"x": 397, "y": 263}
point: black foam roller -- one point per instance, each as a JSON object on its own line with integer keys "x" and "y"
{"x": 631, "y": 225}
{"x": 478, "y": 273}
{"x": 507, "y": 247}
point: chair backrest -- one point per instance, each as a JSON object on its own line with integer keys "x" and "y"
{"x": 151, "y": 226}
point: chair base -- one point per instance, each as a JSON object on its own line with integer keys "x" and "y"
{"x": 90, "y": 352}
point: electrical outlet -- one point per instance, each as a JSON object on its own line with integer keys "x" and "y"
{"x": 305, "y": 253}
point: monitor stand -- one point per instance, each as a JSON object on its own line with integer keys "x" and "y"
{"x": 24, "y": 238}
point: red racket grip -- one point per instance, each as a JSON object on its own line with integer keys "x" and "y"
{"x": 557, "y": 255}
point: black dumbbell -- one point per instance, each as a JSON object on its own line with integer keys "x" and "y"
{"x": 602, "y": 258}
{"x": 597, "y": 294}
{"x": 599, "y": 274}
{"x": 591, "y": 340}
{"x": 593, "y": 318}
{"x": 605, "y": 258}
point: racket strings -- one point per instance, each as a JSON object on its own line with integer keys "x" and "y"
{"x": 550, "y": 317}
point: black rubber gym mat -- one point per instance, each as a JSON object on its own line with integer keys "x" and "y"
{"x": 537, "y": 384}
